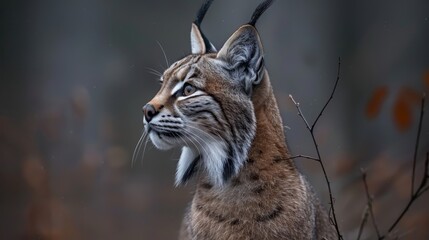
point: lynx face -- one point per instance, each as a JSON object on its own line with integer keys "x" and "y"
{"x": 203, "y": 109}
{"x": 204, "y": 105}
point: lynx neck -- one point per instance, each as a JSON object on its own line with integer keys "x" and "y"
{"x": 269, "y": 126}
{"x": 268, "y": 155}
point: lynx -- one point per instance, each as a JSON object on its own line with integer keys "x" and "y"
{"x": 220, "y": 108}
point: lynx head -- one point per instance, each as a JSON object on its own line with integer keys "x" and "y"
{"x": 205, "y": 103}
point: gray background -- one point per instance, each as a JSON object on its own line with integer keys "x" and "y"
{"x": 74, "y": 76}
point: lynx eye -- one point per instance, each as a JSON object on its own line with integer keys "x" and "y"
{"x": 188, "y": 90}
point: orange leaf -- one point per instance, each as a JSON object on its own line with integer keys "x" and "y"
{"x": 402, "y": 114}
{"x": 374, "y": 104}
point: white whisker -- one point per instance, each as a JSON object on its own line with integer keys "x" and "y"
{"x": 144, "y": 148}
{"x": 163, "y": 52}
{"x": 154, "y": 71}
{"x": 217, "y": 149}
{"x": 188, "y": 138}
{"x": 193, "y": 136}
{"x": 137, "y": 148}
{"x": 206, "y": 134}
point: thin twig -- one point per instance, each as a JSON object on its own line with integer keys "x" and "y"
{"x": 369, "y": 202}
{"x": 423, "y": 191}
{"x": 423, "y": 184}
{"x": 330, "y": 97}
{"x": 300, "y": 113}
{"x": 405, "y": 210}
{"x": 329, "y": 187}
{"x": 311, "y": 130}
{"x": 417, "y": 144}
{"x": 419, "y": 130}
{"x": 363, "y": 221}
{"x": 303, "y": 156}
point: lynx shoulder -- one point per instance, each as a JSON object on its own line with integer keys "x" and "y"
{"x": 219, "y": 106}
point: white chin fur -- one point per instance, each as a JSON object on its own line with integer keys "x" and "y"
{"x": 159, "y": 143}
{"x": 185, "y": 161}
{"x": 215, "y": 160}
{"x": 213, "y": 157}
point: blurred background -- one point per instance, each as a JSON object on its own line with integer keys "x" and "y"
{"x": 75, "y": 74}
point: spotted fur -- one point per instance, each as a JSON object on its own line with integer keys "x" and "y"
{"x": 220, "y": 108}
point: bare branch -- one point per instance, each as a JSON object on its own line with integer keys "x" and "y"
{"x": 423, "y": 191}
{"x": 303, "y": 156}
{"x": 425, "y": 178}
{"x": 330, "y": 97}
{"x": 363, "y": 221}
{"x": 333, "y": 218}
{"x": 300, "y": 112}
{"x": 423, "y": 184}
{"x": 399, "y": 218}
{"x": 369, "y": 203}
{"x": 419, "y": 131}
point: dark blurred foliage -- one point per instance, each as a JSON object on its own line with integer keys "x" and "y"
{"x": 75, "y": 74}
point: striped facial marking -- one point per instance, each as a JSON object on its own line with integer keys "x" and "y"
{"x": 202, "y": 111}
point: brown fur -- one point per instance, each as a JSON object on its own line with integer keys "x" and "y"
{"x": 268, "y": 199}
{"x": 258, "y": 194}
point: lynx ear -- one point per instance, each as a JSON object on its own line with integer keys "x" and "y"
{"x": 199, "y": 43}
{"x": 244, "y": 55}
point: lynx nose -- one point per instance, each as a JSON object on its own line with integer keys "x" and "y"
{"x": 149, "y": 112}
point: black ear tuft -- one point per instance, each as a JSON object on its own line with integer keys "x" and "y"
{"x": 199, "y": 42}
{"x": 259, "y": 11}
{"x": 202, "y": 12}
